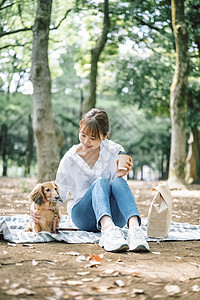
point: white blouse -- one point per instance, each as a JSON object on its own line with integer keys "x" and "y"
{"x": 74, "y": 174}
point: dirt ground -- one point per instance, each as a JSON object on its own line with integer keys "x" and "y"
{"x": 63, "y": 271}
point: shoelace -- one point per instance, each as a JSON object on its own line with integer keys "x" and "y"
{"x": 115, "y": 233}
{"x": 137, "y": 234}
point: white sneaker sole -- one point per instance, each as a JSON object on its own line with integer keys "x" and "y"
{"x": 122, "y": 248}
{"x": 140, "y": 248}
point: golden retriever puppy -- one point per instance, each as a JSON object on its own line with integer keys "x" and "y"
{"x": 44, "y": 210}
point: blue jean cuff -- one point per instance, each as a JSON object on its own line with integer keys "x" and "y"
{"x": 135, "y": 215}
{"x": 98, "y": 220}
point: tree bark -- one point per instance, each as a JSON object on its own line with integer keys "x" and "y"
{"x": 4, "y": 142}
{"x": 177, "y": 95}
{"x": 43, "y": 126}
{"x": 193, "y": 158}
{"x": 29, "y": 147}
{"x": 95, "y": 54}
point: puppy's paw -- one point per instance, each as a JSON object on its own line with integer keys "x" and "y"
{"x": 28, "y": 229}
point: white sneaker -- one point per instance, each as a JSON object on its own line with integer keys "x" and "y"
{"x": 112, "y": 240}
{"x": 136, "y": 240}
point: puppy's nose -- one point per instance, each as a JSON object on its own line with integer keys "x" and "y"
{"x": 57, "y": 198}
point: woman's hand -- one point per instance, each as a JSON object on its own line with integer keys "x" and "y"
{"x": 128, "y": 166}
{"x": 35, "y": 216}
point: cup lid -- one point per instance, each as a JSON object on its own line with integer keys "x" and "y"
{"x": 123, "y": 152}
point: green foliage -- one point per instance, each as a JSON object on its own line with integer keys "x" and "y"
{"x": 142, "y": 81}
{"x": 145, "y": 137}
{"x": 66, "y": 99}
{"x": 14, "y": 112}
{"x": 192, "y": 10}
{"x": 134, "y": 71}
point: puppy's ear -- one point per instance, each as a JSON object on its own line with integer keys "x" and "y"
{"x": 36, "y": 195}
{"x": 56, "y": 186}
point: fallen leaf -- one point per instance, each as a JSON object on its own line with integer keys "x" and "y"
{"x": 80, "y": 258}
{"x": 120, "y": 261}
{"x": 119, "y": 283}
{"x": 172, "y": 289}
{"x": 71, "y": 293}
{"x": 14, "y": 285}
{"x": 136, "y": 274}
{"x": 59, "y": 278}
{"x": 87, "y": 279}
{"x": 101, "y": 255}
{"x": 5, "y": 252}
{"x": 83, "y": 273}
{"x": 34, "y": 263}
{"x": 19, "y": 291}
{"x": 195, "y": 264}
{"x": 196, "y": 288}
{"x": 127, "y": 271}
{"x": 95, "y": 257}
{"x": 159, "y": 296}
{"x": 153, "y": 283}
{"x": 109, "y": 271}
{"x": 97, "y": 279}
{"x": 183, "y": 278}
{"x": 117, "y": 291}
{"x": 101, "y": 289}
{"x": 94, "y": 262}
{"x": 137, "y": 291}
{"x": 74, "y": 282}
{"x": 73, "y": 253}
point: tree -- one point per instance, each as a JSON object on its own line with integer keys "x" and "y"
{"x": 43, "y": 125}
{"x": 193, "y": 156}
{"x": 193, "y": 93}
{"x": 95, "y": 54}
{"x": 177, "y": 95}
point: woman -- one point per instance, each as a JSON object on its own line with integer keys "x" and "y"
{"x": 102, "y": 200}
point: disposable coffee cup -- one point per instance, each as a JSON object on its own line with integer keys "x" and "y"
{"x": 123, "y": 157}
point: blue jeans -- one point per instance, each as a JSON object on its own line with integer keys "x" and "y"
{"x": 113, "y": 199}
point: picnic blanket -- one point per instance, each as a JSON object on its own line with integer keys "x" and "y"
{"x": 12, "y": 230}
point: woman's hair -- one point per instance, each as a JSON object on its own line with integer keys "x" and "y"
{"x": 95, "y": 122}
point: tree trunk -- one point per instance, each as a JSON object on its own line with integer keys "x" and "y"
{"x": 29, "y": 147}
{"x": 177, "y": 95}
{"x": 4, "y": 141}
{"x": 43, "y": 126}
{"x": 95, "y": 54}
{"x": 193, "y": 158}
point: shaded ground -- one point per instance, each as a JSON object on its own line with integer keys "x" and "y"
{"x": 63, "y": 271}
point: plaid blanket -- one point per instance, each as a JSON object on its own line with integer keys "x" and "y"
{"x": 12, "y": 230}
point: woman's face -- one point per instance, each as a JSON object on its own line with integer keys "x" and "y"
{"x": 88, "y": 141}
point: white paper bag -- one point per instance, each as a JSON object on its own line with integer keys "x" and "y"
{"x": 160, "y": 212}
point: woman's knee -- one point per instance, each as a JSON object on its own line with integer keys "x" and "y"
{"x": 119, "y": 181}
{"x": 101, "y": 181}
